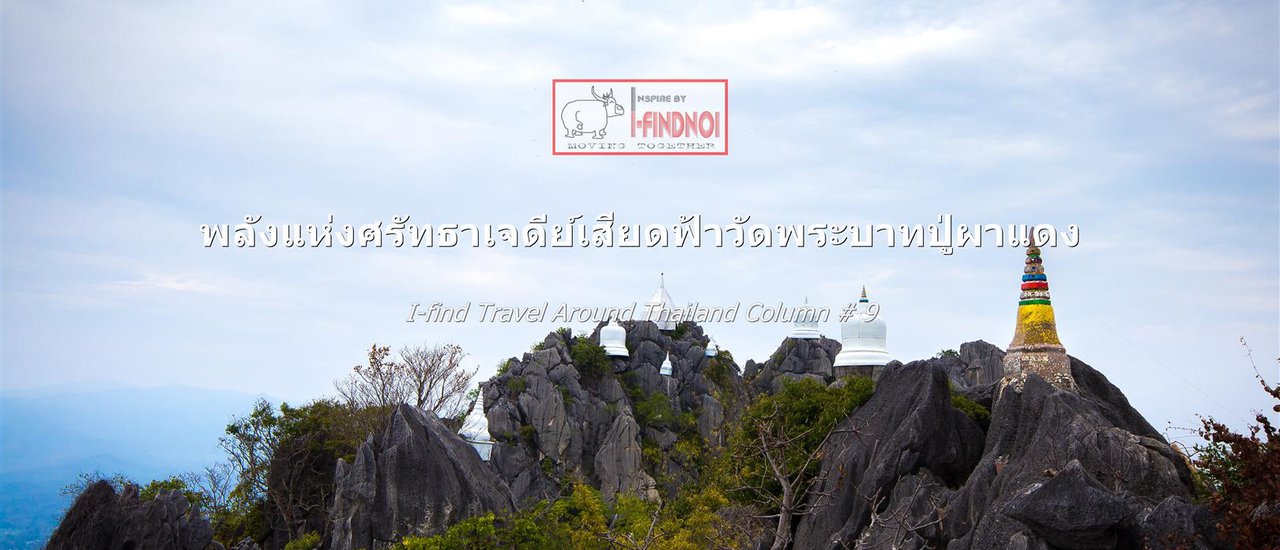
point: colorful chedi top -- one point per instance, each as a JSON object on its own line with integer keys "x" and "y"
{"x": 1035, "y": 347}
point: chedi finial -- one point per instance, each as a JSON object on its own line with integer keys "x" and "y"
{"x": 1035, "y": 346}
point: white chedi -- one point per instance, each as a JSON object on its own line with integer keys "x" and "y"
{"x": 665, "y": 369}
{"x": 862, "y": 337}
{"x": 613, "y": 338}
{"x": 659, "y": 306}
{"x": 806, "y": 323}
{"x": 475, "y": 431}
{"x": 712, "y": 348}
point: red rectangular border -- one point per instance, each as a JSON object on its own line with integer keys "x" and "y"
{"x": 555, "y": 134}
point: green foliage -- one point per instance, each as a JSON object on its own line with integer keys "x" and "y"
{"x": 582, "y": 520}
{"x": 577, "y": 521}
{"x": 947, "y": 353}
{"x": 516, "y": 385}
{"x": 654, "y": 410}
{"x": 528, "y": 434}
{"x": 803, "y": 413}
{"x": 250, "y": 443}
{"x": 719, "y": 370}
{"x": 690, "y": 451}
{"x": 971, "y": 409}
{"x": 174, "y": 483}
{"x": 680, "y": 330}
{"x": 505, "y": 365}
{"x": 284, "y": 462}
{"x": 590, "y": 359}
{"x": 238, "y": 520}
{"x": 651, "y": 456}
{"x": 310, "y": 541}
{"x": 566, "y": 395}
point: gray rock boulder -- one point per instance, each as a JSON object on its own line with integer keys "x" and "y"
{"x": 983, "y": 363}
{"x": 795, "y": 358}
{"x": 907, "y": 426}
{"x": 100, "y": 519}
{"x": 1071, "y": 510}
{"x": 419, "y": 480}
{"x": 618, "y": 462}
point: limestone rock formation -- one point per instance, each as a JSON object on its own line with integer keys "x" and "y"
{"x": 908, "y": 429}
{"x": 552, "y": 416}
{"x": 1058, "y": 469}
{"x": 420, "y": 479}
{"x": 983, "y": 363}
{"x": 101, "y": 519}
{"x": 795, "y": 359}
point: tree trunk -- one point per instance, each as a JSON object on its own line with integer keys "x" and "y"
{"x": 782, "y": 535}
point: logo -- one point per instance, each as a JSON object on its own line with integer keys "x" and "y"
{"x": 640, "y": 117}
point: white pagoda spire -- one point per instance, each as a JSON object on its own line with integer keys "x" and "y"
{"x": 659, "y": 306}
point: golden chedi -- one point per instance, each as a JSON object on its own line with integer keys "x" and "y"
{"x": 1035, "y": 347}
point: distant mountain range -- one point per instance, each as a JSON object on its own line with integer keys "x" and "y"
{"x": 49, "y": 436}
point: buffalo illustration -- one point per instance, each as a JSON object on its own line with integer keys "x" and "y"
{"x": 590, "y": 116}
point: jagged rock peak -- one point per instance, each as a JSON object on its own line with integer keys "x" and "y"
{"x": 1057, "y": 469}
{"x": 100, "y": 519}
{"x": 421, "y": 479}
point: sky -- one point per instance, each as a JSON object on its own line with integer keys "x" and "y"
{"x": 1152, "y": 126}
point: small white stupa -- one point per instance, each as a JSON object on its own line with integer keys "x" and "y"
{"x": 665, "y": 369}
{"x": 712, "y": 348}
{"x": 659, "y": 306}
{"x": 806, "y": 326}
{"x": 613, "y": 338}
{"x": 475, "y": 431}
{"x": 862, "y": 338}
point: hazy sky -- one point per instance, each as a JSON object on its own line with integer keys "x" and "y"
{"x": 125, "y": 127}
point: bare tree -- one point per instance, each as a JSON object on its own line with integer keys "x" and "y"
{"x": 381, "y": 383}
{"x": 436, "y": 379}
{"x": 895, "y": 526}
{"x": 216, "y": 482}
{"x": 796, "y": 494}
{"x": 430, "y": 377}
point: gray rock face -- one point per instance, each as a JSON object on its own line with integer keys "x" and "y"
{"x": 551, "y": 419}
{"x": 618, "y": 462}
{"x": 794, "y": 359}
{"x": 983, "y": 363}
{"x": 246, "y": 544}
{"x": 908, "y": 426}
{"x": 1036, "y": 434}
{"x": 421, "y": 479}
{"x": 1071, "y": 510}
{"x": 100, "y": 519}
{"x": 1175, "y": 523}
{"x": 1057, "y": 470}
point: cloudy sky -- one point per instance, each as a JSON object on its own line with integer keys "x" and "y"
{"x": 1153, "y": 126}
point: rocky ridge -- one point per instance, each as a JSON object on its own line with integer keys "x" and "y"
{"x": 561, "y": 410}
{"x": 1050, "y": 468}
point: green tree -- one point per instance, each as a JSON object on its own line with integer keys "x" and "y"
{"x": 773, "y": 459}
{"x": 590, "y": 359}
